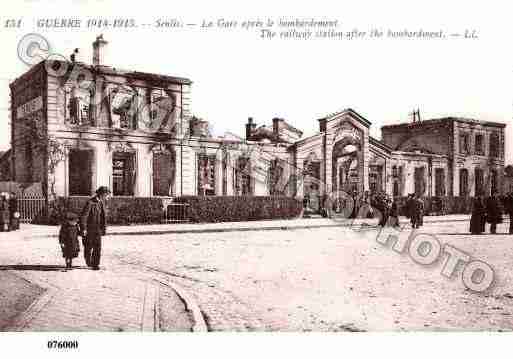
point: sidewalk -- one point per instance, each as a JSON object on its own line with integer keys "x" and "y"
{"x": 115, "y": 298}
{"x": 303, "y": 223}
{"x": 92, "y": 301}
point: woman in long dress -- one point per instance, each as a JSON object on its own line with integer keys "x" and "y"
{"x": 478, "y": 218}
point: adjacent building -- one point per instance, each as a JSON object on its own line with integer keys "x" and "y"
{"x": 76, "y": 126}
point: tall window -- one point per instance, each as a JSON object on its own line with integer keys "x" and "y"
{"x": 123, "y": 108}
{"x": 479, "y": 179}
{"x": 163, "y": 173}
{"x": 162, "y": 108}
{"x": 206, "y": 175}
{"x": 494, "y": 145}
{"x": 123, "y": 174}
{"x": 77, "y": 104}
{"x": 439, "y": 182}
{"x": 420, "y": 182}
{"x": 243, "y": 177}
{"x": 464, "y": 182}
{"x": 275, "y": 175}
{"x": 80, "y": 172}
{"x": 396, "y": 188}
{"x": 465, "y": 143}
{"x": 375, "y": 178}
{"x": 494, "y": 181}
{"x": 479, "y": 145}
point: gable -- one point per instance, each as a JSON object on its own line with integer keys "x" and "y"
{"x": 332, "y": 120}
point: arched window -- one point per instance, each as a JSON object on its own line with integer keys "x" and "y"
{"x": 479, "y": 179}
{"x": 396, "y": 188}
{"x": 494, "y": 182}
{"x": 275, "y": 175}
{"x": 206, "y": 175}
{"x": 464, "y": 182}
{"x": 243, "y": 177}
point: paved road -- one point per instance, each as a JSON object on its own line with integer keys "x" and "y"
{"x": 330, "y": 279}
{"x": 326, "y": 279}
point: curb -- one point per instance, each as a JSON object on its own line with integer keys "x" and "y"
{"x": 199, "y": 325}
{"x": 23, "y": 319}
{"x": 240, "y": 229}
{"x": 150, "y": 314}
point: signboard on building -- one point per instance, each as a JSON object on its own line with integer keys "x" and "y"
{"x": 29, "y": 107}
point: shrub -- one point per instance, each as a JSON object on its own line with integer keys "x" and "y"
{"x": 119, "y": 210}
{"x": 440, "y": 205}
{"x": 240, "y": 208}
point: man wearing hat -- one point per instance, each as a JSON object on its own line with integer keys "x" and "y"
{"x": 92, "y": 227}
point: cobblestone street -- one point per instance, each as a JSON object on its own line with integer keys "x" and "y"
{"x": 322, "y": 279}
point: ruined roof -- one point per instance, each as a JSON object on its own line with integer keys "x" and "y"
{"x": 374, "y": 141}
{"x": 109, "y": 70}
{"x": 444, "y": 120}
{"x": 291, "y": 128}
{"x": 142, "y": 75}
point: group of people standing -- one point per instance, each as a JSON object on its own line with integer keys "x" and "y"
{"x": 9, "y": 215}
{"x": 490, "y": 210}
{"x": 415, "y": 210}
{"x": 376, "y": 205}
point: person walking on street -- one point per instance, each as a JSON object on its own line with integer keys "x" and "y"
{"x": 508, "y": 206}
{"x": 14, "y": 215}
{"x": 419, "y": 211}
{"x": 394, "y": 214}
{"x": 68, "y": 238}
{"x": 384, "y": 210}
{"x": 93, "y": 227}
{"x": 493, "y": 212}
{"x": 478, "y": 218}
{"x": 410, "y": 210}
{"x": 4, "y": 214}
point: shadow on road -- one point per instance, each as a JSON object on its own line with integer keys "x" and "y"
{"x": 37, "y": 267}
{"x": 471, "y": 235}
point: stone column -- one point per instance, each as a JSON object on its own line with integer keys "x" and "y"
{"x": 103, "y": 174}
{"x": 143, "y": 173}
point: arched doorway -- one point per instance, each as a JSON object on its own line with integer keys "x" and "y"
{"x": 347, "y": 166}
{"x": 311, "y": 183}
{"x": 347, "y": 173}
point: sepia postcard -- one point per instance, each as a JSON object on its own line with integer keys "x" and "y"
{"x": 263, "y": 167}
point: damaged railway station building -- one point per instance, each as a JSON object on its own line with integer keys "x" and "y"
{"x": 78, "y": 126}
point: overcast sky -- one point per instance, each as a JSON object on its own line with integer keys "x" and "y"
{"x": 236, "y": 74}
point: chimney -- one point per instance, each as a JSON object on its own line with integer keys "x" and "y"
{"x": 250, "y": 128}
{"x": 75, "y": 56}
{"x": 99, "y": 49}
{"x": 277, "y": 125}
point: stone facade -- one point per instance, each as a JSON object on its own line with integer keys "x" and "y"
{"x": 76, "y": 127}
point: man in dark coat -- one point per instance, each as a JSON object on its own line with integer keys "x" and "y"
{"x": 419, "y": 211}
{"x": 508, "y": 206}
{"x": 411, "y": 209}
{"x": 4, "y": 214}
{"x": 13, "y": 212}
{"x": 493, "y": 212}
{"x": 93, "y": 226}
{"x": 478, "y": 218}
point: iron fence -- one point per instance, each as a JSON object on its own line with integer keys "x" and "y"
{"x": 30, "y": 208}
{"x": 177, "y": 212}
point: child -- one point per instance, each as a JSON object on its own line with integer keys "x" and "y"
{"x": 68, "y": 238}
